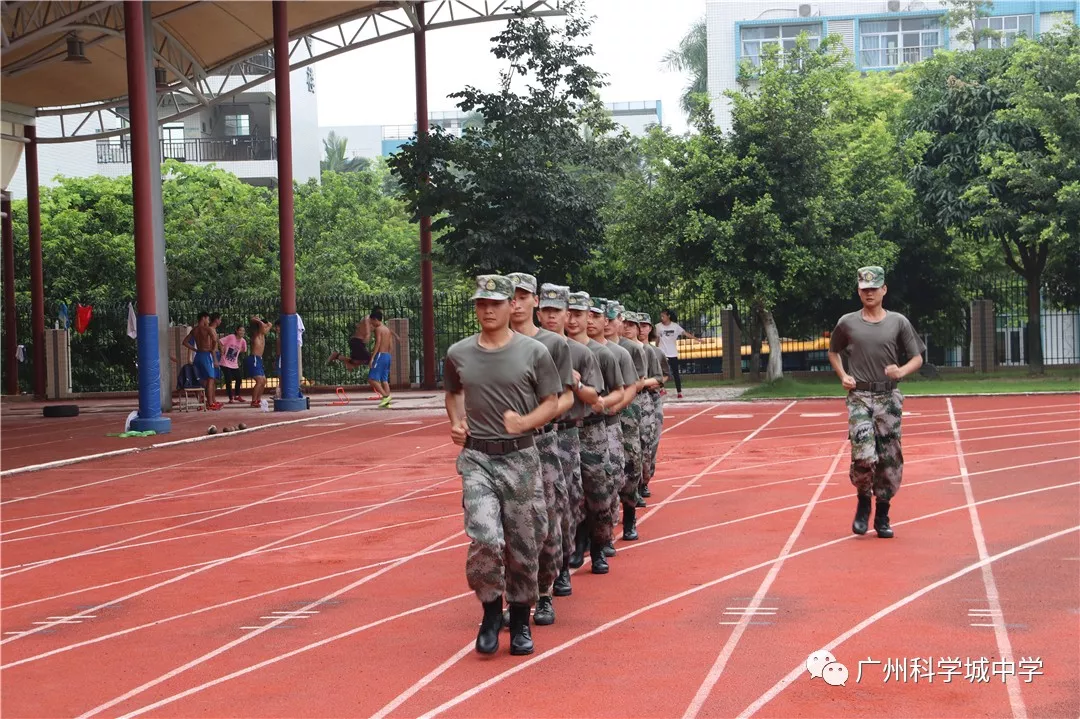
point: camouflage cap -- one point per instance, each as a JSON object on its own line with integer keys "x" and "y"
{"x": 613, "y": 310}
{"x": 871, "y": 277}
{"x": 644, "y": 318}
{"x": 631, "y": 317}
{"x": 522, "y": 281}
{"x": 579, "y": 301}
{"x": 493, "y": 287}
{"x": 556, "y": 296}
{"x": 598, "y": 304}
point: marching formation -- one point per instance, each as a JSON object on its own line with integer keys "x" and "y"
{"x": 559, "y": 426}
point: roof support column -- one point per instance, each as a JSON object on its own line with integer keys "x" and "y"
{"x": 427, "y": 289}
{"x": 291, "y": 400}
{"x": 37, "y": 275}
{"x": 143, "y": 135}
{"x": 11, "y": 320}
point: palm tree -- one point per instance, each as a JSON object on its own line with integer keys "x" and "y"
{"x": 692, "y": 56}
{"x": 335, "y": 160}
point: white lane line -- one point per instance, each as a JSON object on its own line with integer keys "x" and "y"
{"x": 1001, "y": 634}
{"x": 240, "y": 640}
{"x": 800, "y": 670}
{"x": 703, "y": 692}
{"x": 572, "y": 642}
{"x": 231, "y": 558}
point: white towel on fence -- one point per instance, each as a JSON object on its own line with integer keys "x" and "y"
{"x": 132, "y": 328}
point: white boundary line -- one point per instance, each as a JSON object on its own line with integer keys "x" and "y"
{"x": 159, "y": 445}
{"x": 717, "y": 669}
{"x": 801, "y": 669}
{"x": 1001, "y": 634}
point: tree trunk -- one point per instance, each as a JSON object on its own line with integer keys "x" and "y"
{"x": 754, "y": 334}
{"x": 776, "y": 357}
{"x": 1034, "y": 333}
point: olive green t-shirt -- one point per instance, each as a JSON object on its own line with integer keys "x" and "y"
{"x": 560, "y": 355}
{"x": 665, "y": 366}
{"x": 654, "y": 354}
{"x": 609, "y": 367}
{"x": 867, "y": 348}
{"x": 637, "y": 353}
{"x": 515, "y": 376}
{"x": 626, "y": 363}
{"x": 587, "y": 366}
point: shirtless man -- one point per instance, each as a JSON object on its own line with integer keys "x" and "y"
{"x": 254, "y": 363}
{"x": 359, "y": 356}
{"x": 379, "y": 376}
{"x": 203, "y": 338}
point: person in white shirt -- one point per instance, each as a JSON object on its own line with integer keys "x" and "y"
{"x": 667, "y": 333}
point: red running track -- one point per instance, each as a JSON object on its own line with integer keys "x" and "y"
{"x": 312, "y": 570}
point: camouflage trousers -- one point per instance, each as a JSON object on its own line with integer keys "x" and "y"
{"x": 630, "y": 423}
{"x": 650, "y": 435}
{"x": 570, "y": 459}
{"x": 618, "y": 465}
{"x": 597, "y": 481}
{"x": 877, "y": 462}
{"x": 551, "y": 550}
{"x": 505, "y": 517}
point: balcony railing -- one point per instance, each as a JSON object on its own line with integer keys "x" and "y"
{"x": 231, "y": 149}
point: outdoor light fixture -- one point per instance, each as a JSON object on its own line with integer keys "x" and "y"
{"x": 76, "y": 50}
{"x": 160, "y": 79}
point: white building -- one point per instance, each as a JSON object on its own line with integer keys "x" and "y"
{"x": 239, "y": 135}
{"x": 372, "y": 141}
{"x": 878, "y": 34}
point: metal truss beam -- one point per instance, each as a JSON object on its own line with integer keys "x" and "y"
{"x": 193, "y": 88}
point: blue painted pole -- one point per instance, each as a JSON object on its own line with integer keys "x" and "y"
{"x": 143, "y": 133}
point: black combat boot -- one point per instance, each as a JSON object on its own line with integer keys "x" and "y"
{"x": 881, "y": 520}
{"x": 581, "y": 543}
{"x": 629, "y": 523}
{"x": 640, "y": 503}
{"x": 862, "y": 516}
{"x": 609, "y": 549}
{"x": 544, "y": 614}
{"x": 562, "y": 586}
{"x": 645, "y": 491}
{"x": 599, "y": 562}
{"x": 487, "y": 640}
{"x": 520, "y": 636}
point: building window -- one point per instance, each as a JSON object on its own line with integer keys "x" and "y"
{"x": 237, "y": 125}
{"x": 888, "y": 43}
{"x": 1010, "y": 27}
{"x": 173, "y": 132}
{"x": 755, "y": 38}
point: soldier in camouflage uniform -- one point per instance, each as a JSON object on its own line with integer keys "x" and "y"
{"x": 554, "y": 305}
{"x": 865, "y": 350}
{"x": 555, "y": 492}
{"x": 500, "y": 387}
{"x": 625, "y": 458}
{"x": 658, "y": 370}
{"x": 642, "y": 407}
{"x": 598, "y": 469}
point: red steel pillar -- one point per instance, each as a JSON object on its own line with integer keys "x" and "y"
{"x": 37, "y": 274}
{"x": 427, "y": 283}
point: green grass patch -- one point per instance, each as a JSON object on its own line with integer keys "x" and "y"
{"x": 1006, "y": 382}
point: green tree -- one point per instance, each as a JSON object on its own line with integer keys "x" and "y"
{"x": 334, "y": 159}
{"x": 691, "y": 57}
{"x": 525, "y": 189}
{"x": 964, "y": 16}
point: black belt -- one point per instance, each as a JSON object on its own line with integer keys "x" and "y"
{"x": 568, "y": 424}
{"x": 612, "y": 419}
{"x": 500, "y": 446}
{"x": 549, "y": 427}
{"x": 875, "y": 386}
{"x": 593, "y": 419}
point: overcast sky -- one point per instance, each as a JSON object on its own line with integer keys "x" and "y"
{"x": 374, "y": 85}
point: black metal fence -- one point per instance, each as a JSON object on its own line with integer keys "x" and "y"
{"x": 104, "y": 357}
{"x": 196, "y": 149}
